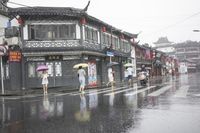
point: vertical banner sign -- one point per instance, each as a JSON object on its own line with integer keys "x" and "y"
{"x": 92, "y": 74}
{"x": 15, "y": 56}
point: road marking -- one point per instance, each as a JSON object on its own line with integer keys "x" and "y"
{"x": 139, "y": 91}
{"x": 11, "y": 98}
{"x": 89, "y": 91}
{"x": 197, "y": 95}
{"x": 116, "y": 92}
{"x": 182, "y": 91}
{"x": 160, "y": 91}
{"x": 110, "y": 90}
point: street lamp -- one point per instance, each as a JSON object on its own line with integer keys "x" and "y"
{"x": 196, "y": 30}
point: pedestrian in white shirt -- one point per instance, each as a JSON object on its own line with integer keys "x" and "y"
{"x": 110, "y": 77}
{"x": 130, "y": 75}
{"x": 81, "y": 75}
{"x": 126, "y": 75}
{"x": 45, "y": 81}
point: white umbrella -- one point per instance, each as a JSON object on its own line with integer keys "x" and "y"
{"x": 128, "y": 65}
{"x": 80, "y": 64}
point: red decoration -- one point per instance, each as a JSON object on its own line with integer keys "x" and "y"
{"x": 153, "y": 54}
{"x": 103, "y": 29}
{"x": 20, "y": 21}
{"x": 83, "y": 21}
{"x": 122, "y": 36}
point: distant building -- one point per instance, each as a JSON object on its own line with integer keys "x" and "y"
{"x": 164, "y": 45}
{"x": 167, "y": 47}
{"x": 189, "y": 54}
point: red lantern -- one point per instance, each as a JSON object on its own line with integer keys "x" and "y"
{"x": 83, "y": 21}
{"x": 20, "y": 21}
{"x": 103, "y": 29}
{"x": 122, "y": 36}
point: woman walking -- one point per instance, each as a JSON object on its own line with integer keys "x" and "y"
{"x": 110, "y": 77}
{"x": 45, "y": 81}
{"x": 81, "y": 76}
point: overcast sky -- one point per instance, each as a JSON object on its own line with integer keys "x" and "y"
{"x": 175, "y": 19}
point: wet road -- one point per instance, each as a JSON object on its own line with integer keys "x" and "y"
{"x": 164, "y": 106}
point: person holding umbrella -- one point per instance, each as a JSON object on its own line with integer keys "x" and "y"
{"x": 45, "y": 81}
{"x": 43, "y": 68}
{"x": 81, "y": 75}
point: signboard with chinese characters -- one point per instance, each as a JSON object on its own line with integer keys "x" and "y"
{"x": 15, "y": 56}
{"x": 92, "y": 73}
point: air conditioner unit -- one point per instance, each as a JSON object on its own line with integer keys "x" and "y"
{"x": 11, "y": 32}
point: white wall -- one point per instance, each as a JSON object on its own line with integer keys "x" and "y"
{"x": 133, "y": 61}
{"x": 166, "y": 49}
{"x": 3, "y": 23}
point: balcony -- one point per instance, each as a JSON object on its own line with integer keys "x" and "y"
{"x": 51, "y": 45}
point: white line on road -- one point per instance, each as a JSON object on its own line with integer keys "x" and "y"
{"x": 182, "y": 92}
{"x": 127, "y": 89}
{"x": 110, "y": 90}
{"x": 89, "y": 91}
{"x": 139, "y": 91}
{"x": 197, "y": 95}
{"x": 160, "y": 91}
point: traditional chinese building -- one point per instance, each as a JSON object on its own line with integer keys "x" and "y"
{"x": 61, "y": 37}
{"x": 189, "y": 55}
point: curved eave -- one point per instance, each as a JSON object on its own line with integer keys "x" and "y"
{"x": 27, "y": 12}
{"x": 45, "y": 11}
{"x": 4, "y": 13}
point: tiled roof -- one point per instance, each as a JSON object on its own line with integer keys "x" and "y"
{"x": 68, "y": 11}
{"x": 162, "y": 40}
{"x": 3, "y": 13}
{"x": 59, "y": 11}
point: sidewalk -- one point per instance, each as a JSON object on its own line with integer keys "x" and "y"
{"x": 64, "y": 90}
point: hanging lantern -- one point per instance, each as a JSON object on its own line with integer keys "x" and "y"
{"x": 83, "y": 21}
{"x": 103, "y": 29}
{"x": 132, "y": 40}
{"x": 20, "y": 21}
{"x": 122, "y": 36}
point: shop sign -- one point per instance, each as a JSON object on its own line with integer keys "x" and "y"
{"x": 108, "y": 53}
{"x": 15, "y": 56}
{"x": 92, "y": 74}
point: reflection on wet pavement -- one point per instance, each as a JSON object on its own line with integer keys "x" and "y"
{"x": 164, "y": 106}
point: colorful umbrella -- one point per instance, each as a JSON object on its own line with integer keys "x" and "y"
{"x": 80, "y": 64}
{"x": 42, "y": 68}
